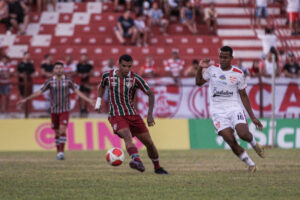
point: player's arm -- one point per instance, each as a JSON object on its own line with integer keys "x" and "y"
{"x": 246, "y": 103}
{"x": 199, "y": 77}
{"x": 150, "y": 119}
{"x": 33, "y": 95}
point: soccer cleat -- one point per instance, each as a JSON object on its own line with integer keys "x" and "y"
{"x": 160, "y": 171}
{"x": 60, "y": 156}
{"x": 137, "y": 165}
{"x": 259, "y": 150}
{"x": 252, "y": 170}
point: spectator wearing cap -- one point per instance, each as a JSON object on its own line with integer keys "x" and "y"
{"x": 126, "y": 29}
{"x": 6, "y": 71}
{"x": 291, "y": 68}
{"x": 156, "y": 18}
{"x": 174, "y": 66}
{"x": 149, "y": 69}
{"x": 191, "y": 71}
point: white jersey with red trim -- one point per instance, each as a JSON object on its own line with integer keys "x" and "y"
{"x": 223, "y": 88}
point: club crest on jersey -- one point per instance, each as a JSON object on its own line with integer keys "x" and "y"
{"x": 222, "y": 77}
{"x": 232, "y": 79}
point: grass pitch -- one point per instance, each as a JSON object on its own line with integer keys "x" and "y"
{"x": 194, "y": 174}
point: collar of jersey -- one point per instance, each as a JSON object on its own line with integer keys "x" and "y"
{"x": 115, "y": 73}
{"x": 55, "y": 77}
{"x": 226, "y": 70}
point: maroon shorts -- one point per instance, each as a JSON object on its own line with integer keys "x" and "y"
{"x": 134, "y": 123}
{"x": 59, "y": 119}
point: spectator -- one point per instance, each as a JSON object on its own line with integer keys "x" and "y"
{"x": 192, "y": 70}
{"x": 6, "y": 71}
{"x": 25, "y": 72}
{"x": 108, "y": 67}
{"x": 70, "y": 66}
{"x": 269, "y": 39}
{"x": 84, "y": 71}
{"x": 4, "y": 15}
{"x": 174, "y": 66}
{"x": 47, "y": 66}
{"x": 210, "y": 17}
{"x": 139, "y": 23}
{"x": 267, "y": 68}
{"x": 254, "y": 70}
{"x": 149, "y": 69}
{"x": 156, "y": 18}
{"x": 291, "y": 68}
{"x": 171, "y": 7}
{"x": 42, "y": 4}
{"x": 187, "y": 14}
{"x": 139, "y": 5}
{"x": 117, "y": 2}
{"x": 18, "y": 12}
{"x": 125, "y": 29}
{"x": 261, "y": 11}
{"x": 293, "y": 13}
{"x": 242, "y": 67}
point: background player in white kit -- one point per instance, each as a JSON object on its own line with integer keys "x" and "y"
{"x": 227, "y": 87}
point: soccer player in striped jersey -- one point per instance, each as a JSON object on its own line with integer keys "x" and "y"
{"x": 122, "y": 84}
{"x": 59, "y": 87}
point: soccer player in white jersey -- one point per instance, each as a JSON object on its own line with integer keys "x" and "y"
{"x": 226, "y": 86}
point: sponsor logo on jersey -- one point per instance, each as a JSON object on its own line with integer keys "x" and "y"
{"x": 232, "y": 79}
{"x": 222, "y": 77}
{"x": 222, "y": 93}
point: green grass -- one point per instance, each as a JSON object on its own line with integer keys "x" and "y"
{"x": 194, "y": 174}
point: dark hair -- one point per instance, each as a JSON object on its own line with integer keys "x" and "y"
{"x": 195, "y": 61}
{"x": 274, "y": 52}
{"x": 126, "y": 58}
{"x": 58, "y": 63}
{"x": 47, "y": 56}
{"x": 227, "y": 49}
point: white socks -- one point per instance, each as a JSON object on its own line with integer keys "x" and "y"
{"x": 245, "y": 158}
{"x": 253, "y": 142}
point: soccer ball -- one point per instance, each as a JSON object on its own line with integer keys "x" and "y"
{"x": 115, "y": 156}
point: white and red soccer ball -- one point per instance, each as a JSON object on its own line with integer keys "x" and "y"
{"x": 115, "y": 156}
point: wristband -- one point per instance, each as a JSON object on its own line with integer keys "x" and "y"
{"x": 98, "y": 103}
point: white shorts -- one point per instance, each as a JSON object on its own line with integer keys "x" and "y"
{"x": 228, "y": 119}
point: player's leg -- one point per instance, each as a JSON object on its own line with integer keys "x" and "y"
{"x": 244, "y": 133}
{"x": 55, "y": 127}
{"x": 63, "y": 124}
{"x": 229, "y": 138}
{"x": 136, "y": 162}
{"x": 146, "y": 139}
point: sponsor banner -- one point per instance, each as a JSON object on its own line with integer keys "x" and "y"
{"x": 287, "y": 135}
{"x": 86, "y": 134}
{"x": 189, "y": 101}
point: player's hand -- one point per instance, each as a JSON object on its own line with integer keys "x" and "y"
{"x": 257, "y": 123}
{"x": 204, "y": 63}
{"x": 22, "y": 101}
{"x": 150, "y": 120}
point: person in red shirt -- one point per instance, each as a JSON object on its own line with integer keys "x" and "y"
{"x": 149, "y": 69}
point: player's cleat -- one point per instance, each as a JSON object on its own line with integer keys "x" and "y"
{"x": 252, "y": 170}
{"x": 160, "y": 171}
{"x": 259, "y": 150}
{"x": 137, "y": 165}
{"x": 60, "y": 156}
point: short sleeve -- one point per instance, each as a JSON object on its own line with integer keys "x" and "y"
{"x": 242, "y": 82}
{"x": 206, "y": 74}
{"x": 141, "y": 83}
{"x": 72, "y": 85}
{"x": 104, "y": 81}
{"x": 46, "y": 86}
